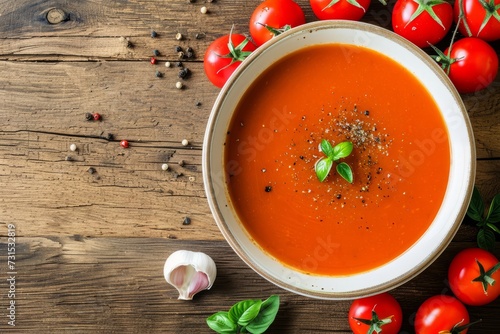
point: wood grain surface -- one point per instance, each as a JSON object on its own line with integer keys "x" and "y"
{"x": 94, "y": 226}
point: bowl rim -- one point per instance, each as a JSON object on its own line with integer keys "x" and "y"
{"x": 207, "y": 167}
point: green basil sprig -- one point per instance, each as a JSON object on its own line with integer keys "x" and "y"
{"x": 334, "y": 153}
{"x": 487, "y": 225}
{"x": 248, "y": 316}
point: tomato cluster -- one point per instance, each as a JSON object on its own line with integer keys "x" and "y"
{"x": 471, "y": 63}
{"x": 472, "y": 275}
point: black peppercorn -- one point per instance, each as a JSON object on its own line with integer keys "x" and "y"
{"x": 268, "y": 189}
{"x": 186, "y": 221}
{"x": 153, "y": 34}
{"x": 89, "y": 116}
{"x": 178, "y": 48}
{"x": 184, "y": 73}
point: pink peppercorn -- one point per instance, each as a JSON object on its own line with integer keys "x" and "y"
{"x": 153, "y": 60}
{"x": 124, "y": 143}
{"x": 96, "y": 116}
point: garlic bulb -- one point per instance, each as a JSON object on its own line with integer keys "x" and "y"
{"x": 189, "y": 272}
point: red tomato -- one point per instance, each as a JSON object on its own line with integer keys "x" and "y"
{"x": 220, "y": 62}
{"x": 340, "y": 9}
{"x": 272, "y": 17}
{"x": 422, "y": 22}
{"x": 474, "y": 64}
{"x": 382, "y": 310}
{"x": 463, "y": 271}
{"x": 476, "y": 15}
{"x": 440, "y": 314}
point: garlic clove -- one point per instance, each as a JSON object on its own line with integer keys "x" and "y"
{"x": 189, "y": 272}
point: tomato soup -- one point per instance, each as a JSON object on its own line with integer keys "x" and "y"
{"x": 400, "y": 160}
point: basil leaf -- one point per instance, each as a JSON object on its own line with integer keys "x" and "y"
{"x": 476, "y": 206}
{"x": 323, "y": 167}
{"x": 221, "y": 323}
{"x": 345, "y": 171}
{"x": 486, "y": 239}
{"x": 342, "y": 150}
{"x": 245, "y": 311}
{"x": 493, "y": 227}
{"x": 266, "y": 315}
{"x": 493, "y": 216}
{"x": 326, "y": 148}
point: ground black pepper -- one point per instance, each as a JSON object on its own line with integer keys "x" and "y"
{"x": 268, "y": 189}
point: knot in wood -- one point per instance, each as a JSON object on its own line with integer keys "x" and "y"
{"x": 57, "y": 15}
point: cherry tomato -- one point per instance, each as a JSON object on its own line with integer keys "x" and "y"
{"x": 440, "y": 314}
{"x": 340, "y": 9}
{"x": 272, "y": 17}
{"x": 221, "y": 61}
{"x": 422, "y": 22}
{"x": 480, "y": 18}
{"x": 474, "y": 64}
{"x": 370, "y": 314}
{"x": 469, "y": 282}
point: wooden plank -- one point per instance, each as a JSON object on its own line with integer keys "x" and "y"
{"x": 78, "y": 284}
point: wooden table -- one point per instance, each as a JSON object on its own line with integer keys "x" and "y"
{"x": 94, "y": 226}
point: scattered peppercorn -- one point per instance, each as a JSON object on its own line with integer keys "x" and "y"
{"x": 178, "y": 36}
{"x": 204, "y": 10}
{"x": 184, "y": 73}
{"x": 167, "y": 64}
{"x": 164, "y": 167}
{"x": 158, "y": 74}
{"x": 189, "y": 53}
{"x": 186, "y": 221}
{"x": 179, "y": 85}
{"x": 153, "y": 61}
{"x": 181, "y": 55}
{"x": 200, "y": 36}
{"x": 198, "y": 104}
{"x": 179, "y": 64}
{"x": 68, "y": 158}
{"x": 181, "y": 163}
{"x": 110, "y": 136}
{"x": 96, "y": 116}
{"x": 124, "y": 143}
{"x": 91, "y": 170}
{"x": 367, "y": 112}
{"x": 156, "y": 52}
{"x": 73, "y": 147}
{"x": 178, "y": 48}
{"x": 339, "y": 196}
{"x": 89, "y": 117}
{"x": 268, "y": 189}
{"x": 185, "y": 142}
{"x": 153, "y": 34}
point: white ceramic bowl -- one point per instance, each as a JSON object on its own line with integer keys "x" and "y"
{"x": 461, "y": 175}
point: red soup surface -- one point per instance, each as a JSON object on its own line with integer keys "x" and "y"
{"x": 400, "y": 160}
